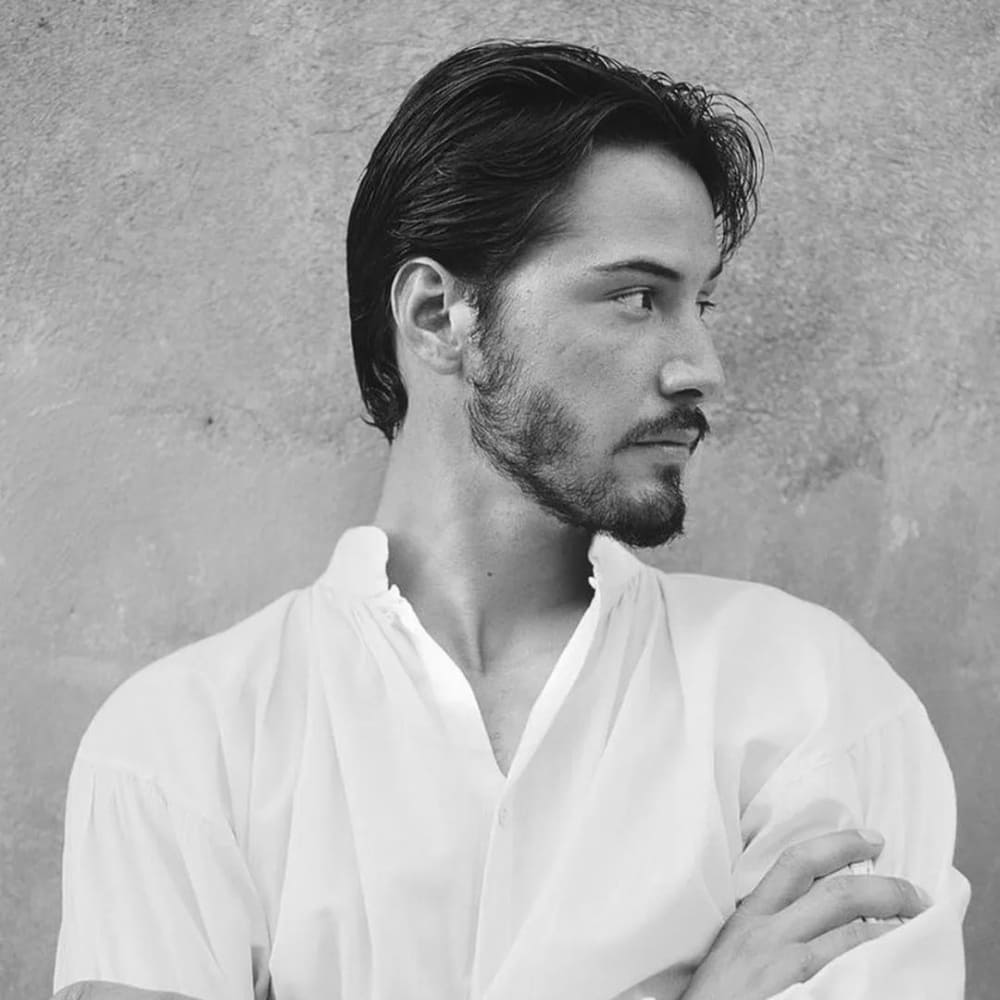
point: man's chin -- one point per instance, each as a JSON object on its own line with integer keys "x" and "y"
{"x": 641, "y": 526}
{"x": 652, "y": 519}
{"x": 644, "y": 535}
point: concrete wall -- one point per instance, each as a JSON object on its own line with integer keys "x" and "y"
{"x": 179, "y": 440}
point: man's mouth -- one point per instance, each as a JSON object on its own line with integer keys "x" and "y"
{"x": 687, "y": 439}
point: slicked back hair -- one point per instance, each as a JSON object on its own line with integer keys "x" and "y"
{"x": 472, "y": 167}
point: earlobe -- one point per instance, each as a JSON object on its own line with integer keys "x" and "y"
{"x": 432, "y": 320}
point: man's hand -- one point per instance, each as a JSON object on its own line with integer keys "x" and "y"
{"x": 791, "y": 926}
{"x": 95, "y": 989}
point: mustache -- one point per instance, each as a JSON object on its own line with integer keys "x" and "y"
{"x": 690, "y": 418}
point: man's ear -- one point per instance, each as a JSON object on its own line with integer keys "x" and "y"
{"x": 434, "y": 320}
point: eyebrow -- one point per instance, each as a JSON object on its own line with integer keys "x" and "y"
{"x": 648, "y": 266}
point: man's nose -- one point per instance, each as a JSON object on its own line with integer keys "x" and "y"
{"x": 693, "y": 367}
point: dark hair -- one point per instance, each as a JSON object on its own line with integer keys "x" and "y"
{"x": 470, "y": 170}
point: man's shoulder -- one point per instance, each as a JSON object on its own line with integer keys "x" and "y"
{"x": 750, "y": 633}
{"x": 733, "y": 605}
{"x": 786, "y": 677}
{"x": 187, "y": 711}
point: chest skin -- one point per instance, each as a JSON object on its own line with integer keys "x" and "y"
{"x": 505, "y": 704}
{"x": 508, "y": 688}
{"x": 506, "y": 661}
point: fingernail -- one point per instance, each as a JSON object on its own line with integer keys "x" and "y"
{"x": 923, "y": 896}
{"x": 872, "y": 836}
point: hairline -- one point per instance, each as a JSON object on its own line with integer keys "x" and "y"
{"x": 488, "y": 289}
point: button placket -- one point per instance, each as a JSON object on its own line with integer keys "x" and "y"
{"x": 494, "y": 932}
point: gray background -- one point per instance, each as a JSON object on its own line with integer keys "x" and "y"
{"x": 179, "y": 440}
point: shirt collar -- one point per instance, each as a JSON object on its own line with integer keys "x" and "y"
{"x": 357, "y": 569}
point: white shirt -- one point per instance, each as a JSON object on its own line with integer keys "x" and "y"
{"x": 309, "y": 802}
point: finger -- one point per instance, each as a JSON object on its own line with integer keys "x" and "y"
{"x": 800, "y": 865}
{"x": 814, "y": 955}
{"x": 74, "y": 991}
{"x": 842, "y": 899}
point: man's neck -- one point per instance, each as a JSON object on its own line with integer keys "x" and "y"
{"x": 477, "y": 559}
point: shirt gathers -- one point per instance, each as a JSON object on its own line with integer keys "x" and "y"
{"x": 307, "y": 805}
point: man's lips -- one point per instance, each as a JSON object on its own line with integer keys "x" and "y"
{"x": 677, "y": 439}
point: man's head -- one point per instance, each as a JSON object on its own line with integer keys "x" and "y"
{"x": 524, "y": 176}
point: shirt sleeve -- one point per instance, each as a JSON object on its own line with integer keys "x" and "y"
{"x": 155, "y": 895}
{"x": 895, "y": 779}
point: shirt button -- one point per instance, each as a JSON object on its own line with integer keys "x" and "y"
{"x": 502, "y": 816}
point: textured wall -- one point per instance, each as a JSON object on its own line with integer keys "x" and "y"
{"x": 179, "y": 440}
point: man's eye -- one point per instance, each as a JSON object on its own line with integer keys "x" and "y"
{"x": 640, "y": 299}
{"x": 703, "y": 307}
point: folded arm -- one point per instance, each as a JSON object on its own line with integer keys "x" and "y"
{"x": 895, "y": 780}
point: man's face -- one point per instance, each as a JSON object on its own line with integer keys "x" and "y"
{"x": 585, "y": 388}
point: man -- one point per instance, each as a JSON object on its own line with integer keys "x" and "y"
{"x": 491, "y": 754}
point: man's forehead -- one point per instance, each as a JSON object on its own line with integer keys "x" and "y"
{"x": 669, "y": 259}
{"x": 638, "y": 204}
{"x": 633, "y": 175}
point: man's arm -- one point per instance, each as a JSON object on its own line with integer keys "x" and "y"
{"x": 800, "y": 918}
{"x": 871, "y": 760}
{"x": 155, "y": 895}
{"x": 94, "y": 989}
{"x": 895, "y": 780}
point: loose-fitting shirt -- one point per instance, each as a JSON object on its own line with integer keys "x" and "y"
{"x": 308, "y": 803}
